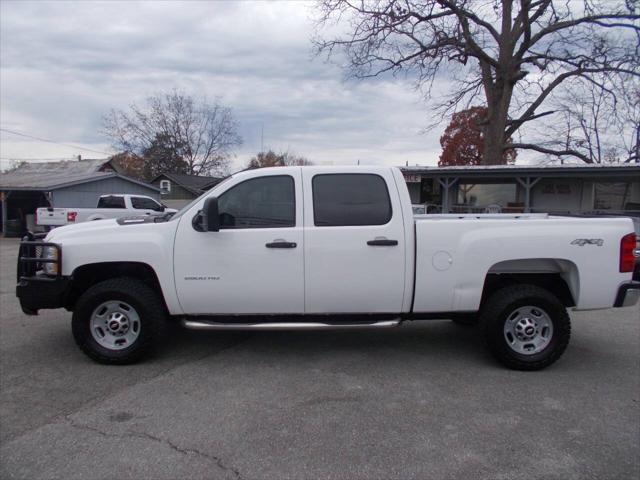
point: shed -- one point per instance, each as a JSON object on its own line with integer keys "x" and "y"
{"x": 76, "y": 184}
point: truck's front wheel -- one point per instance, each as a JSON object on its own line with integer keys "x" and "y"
{"x": 526, "y": 327}
{"x": 118, "y": 321}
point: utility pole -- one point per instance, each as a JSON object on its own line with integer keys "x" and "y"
{"x": 262, "y": 138}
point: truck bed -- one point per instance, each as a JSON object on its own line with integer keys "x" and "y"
{"x": 456, "y": 252}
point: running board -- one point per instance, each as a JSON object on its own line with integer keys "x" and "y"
{"x": 201, "y": 325}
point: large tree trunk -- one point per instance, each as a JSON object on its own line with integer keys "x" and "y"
{"x": 498, "y": 92}
{"x": 498, "y": 100}
{"x": 494, "y": 141}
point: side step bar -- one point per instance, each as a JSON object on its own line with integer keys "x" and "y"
{"x": 202, "y": 325}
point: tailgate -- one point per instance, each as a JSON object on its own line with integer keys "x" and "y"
{"x": 51, "y": 216}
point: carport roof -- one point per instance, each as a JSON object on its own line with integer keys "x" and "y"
{"x": 629, "y": 170}
{"x": 47, "y": 180}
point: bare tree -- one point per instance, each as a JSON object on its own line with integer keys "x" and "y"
{"x": 601, "y": 121}
{"x": 15, "y": 165}
{"x": 131, "y": 165}
{"x": 273, "y": 159}
{"x": 630, "y": 117}
{"x": 515, "y": 53}
{"x": 294, "y": 160}
{"x": 200, "y": 133}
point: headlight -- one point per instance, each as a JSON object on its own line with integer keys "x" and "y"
{"x": 51, "y": 253}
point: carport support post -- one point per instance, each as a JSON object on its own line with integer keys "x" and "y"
{"x": 446, "y": 183}
{"x": 3, "y": 197}
{"x": 527, "y": 183}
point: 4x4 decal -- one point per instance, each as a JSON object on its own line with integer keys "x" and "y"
{"x": 588, "y": 241}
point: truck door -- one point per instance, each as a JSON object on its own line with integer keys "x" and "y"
{"x": 354, "y": 242}
{"x": 254, "y": 264}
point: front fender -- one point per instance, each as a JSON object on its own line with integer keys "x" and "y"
{"x": 108, "y": 241}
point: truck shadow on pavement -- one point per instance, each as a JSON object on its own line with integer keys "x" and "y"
{"x": 430, "y": 340}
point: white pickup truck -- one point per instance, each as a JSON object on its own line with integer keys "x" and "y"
{"x": 327, "y": 248}
{"x": 109, "y": 206}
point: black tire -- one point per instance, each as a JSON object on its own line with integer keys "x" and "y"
{"x": 496, "y": 311}
{"x": 138, "y": 295}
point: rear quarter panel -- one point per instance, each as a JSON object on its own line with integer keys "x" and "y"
{"x": 454, "y": 256}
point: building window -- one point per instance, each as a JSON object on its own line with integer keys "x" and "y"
{"x": 554, "y": 188}
{"x": 481, "y": 197}
{"x": 430, "y": 191}
{"x": 165, "y": 186}
{"x": 611, "y": 195}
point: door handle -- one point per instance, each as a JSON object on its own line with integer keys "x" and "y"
{"x": 281, "y": 244}
{"x": 382, "y": 242}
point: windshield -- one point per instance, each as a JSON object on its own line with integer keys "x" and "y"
{"x": 184, "y": 209}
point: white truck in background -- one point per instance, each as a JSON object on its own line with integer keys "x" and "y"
{"x": 109, "y": 206}
{"x": 314, "y": 248}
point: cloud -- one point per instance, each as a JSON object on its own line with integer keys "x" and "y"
{"x": 65, "y": 64}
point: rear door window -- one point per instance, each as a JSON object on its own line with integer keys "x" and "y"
{"x": 111, "y": 202}
{"x": 350, "y": 199}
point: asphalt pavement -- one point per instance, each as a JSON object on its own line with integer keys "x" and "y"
{"x": 422, "y": 401}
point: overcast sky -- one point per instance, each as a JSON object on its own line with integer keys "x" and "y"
{"x": 65, "y": 64}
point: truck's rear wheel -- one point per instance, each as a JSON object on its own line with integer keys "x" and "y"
{"x": 118, "y": 321}
{"x": 526, "y": 327}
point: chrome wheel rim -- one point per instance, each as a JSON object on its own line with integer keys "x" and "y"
{"x": 115, "y": 325}
{"x": 528, "y": 330}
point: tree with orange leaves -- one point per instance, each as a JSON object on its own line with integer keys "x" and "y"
{"x": 463, "y": 140}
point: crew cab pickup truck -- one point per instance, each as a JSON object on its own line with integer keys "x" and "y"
{"x": 313, "y": 248}
{"x": 109, "y": 206}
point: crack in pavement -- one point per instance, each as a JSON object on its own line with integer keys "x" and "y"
{"x": 164, "y": 441}
{"x": 104, "y": 396}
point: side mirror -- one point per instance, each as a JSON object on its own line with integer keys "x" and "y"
{"x": 211, "y": 215}
{"x": 208, "y": 219}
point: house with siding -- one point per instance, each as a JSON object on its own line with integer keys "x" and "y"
{"x": 178, "y": 189}
{"x": 76, "y": 184}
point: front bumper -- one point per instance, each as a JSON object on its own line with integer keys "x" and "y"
{"x": 39, "y": 292}
{"x": 628, "y": 294}
{"x": 35, "y": 289}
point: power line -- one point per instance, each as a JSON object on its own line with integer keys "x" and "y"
{"x": 53, "y": 141}
{"x": 40, "y": 159}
